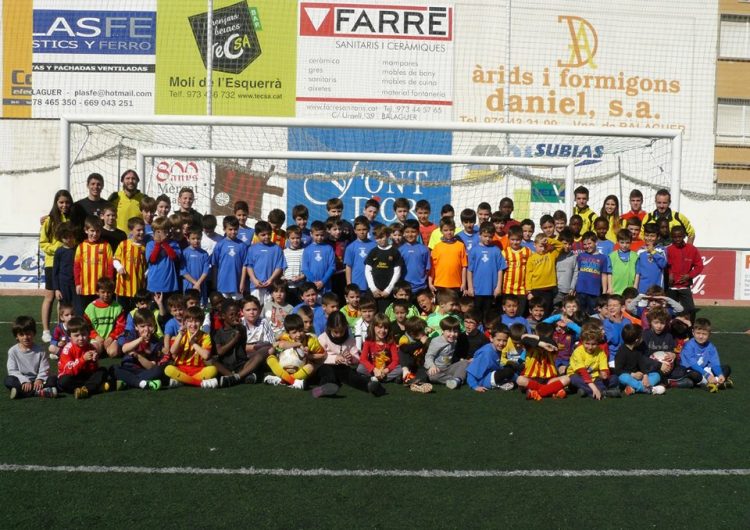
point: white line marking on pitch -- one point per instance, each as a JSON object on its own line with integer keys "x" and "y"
{"x": 419, "y": 473}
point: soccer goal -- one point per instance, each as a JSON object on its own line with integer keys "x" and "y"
{"x": 279, "y": 162}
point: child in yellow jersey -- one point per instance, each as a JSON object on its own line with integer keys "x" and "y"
{"x": 589, "y": 368}
{"x": 305, "y": 343}
{"x": 130, "y": 264}
{"x": 541, "y": 274}
{"x": 190, "y": 349}
{"x": 539, "y": 377}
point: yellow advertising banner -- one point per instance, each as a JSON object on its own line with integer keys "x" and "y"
{"x": 17, "y": 30}
{"x": 254, "y": 57}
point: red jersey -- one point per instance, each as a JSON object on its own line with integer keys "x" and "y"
{"x": 683, "y": 260}
{"x": 72, "y": 362}
{"x": 379, "y": 355}
{"x": 92, "y": 261}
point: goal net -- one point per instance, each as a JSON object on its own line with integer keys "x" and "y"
{"x": 607, "y": 164}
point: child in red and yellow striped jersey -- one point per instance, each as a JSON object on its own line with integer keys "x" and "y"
{"x": 295, "y": 337}
{"x": 516, "y": 256}
{"x": 539, "y": 377}
{"x": 93, "y": 260}
{"x": 190, "y": 350}
{"x": 130, "y": 264}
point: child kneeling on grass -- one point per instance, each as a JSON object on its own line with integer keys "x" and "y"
{"x": 142, "y": 367}
{"x": 28, "y": 364}
{"x": 539, "y": 378}
{"x": 190, "y": 349}
{"x": 312, "y": 354}
{"x": 78, "y": 370}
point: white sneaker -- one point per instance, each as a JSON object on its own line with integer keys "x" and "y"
{"x": 658, "y": 390}
{"x": 506, "y": 386}
{"x": 46, "y": 336}
{"x": 452, "y": 383}
{"x": 298, "y": 384}
{"x": 210, "y": 383}
{"x": 274, "y": 380}
{"x": 174, "y": 383}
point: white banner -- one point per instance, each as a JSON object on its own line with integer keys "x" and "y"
{"x": 21, "y": 265}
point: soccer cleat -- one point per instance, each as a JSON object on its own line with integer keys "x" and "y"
{"x": 375, "y": 388}
{"x": 712, "y": 388}
{"x": 328, "y": 389}
{"x": 81, "y": 392}
{"x": 629, "y": 390}
{"x": 560, "y": 394}
{"x": 612, "y": 393}
{"x": 210, "y": 383}
{"x": 120, "y": 385}
{"x": 272, "y": 380}
{"x": 421, "y": 388}
{"x": 225, "y": 381}
{"x": 681, "y": 383}
{"x": 658, "y": 390}
{"x": 452, "y": 383}
{"x": 50, "y": 392}
{"x": 154, "y": 384}
{"x": 251, "y": 379}
{"x": 14, "y": 393}
{"x": 533, "y": 394}
{"x": 298, "y": 384}
{"x": 46, "y": 336}
{"x": 506, "y": 386}
{"x": 174, "y": 383}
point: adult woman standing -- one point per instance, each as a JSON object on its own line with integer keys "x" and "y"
{"x": 611, "y": 212}
{"x": 48, "y": 243}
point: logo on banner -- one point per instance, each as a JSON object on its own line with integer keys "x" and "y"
{"x": 235, "y": 40}
{"x": 395, "y": 22}
{"x": 178, "y": 172}
{"x": 235, "y": 184}
{"x": 584, "y": 42}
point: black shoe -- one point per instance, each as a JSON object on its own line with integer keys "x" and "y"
{"x": 581, "y": 393}
{"x": 251, "y": 379}
{"x": 328, "y": 389}
{"x": 681, "y": 383}
{"x": 613, "y": 393}
{"x": 375, "y": 388}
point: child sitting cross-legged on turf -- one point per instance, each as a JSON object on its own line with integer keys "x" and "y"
{"x": 636, "y": 370}
{"x": 307, "y": 347}
{"x": 106, "y": 315}
{"x": 699, "y": 360}
{"x": 78, "y": 370}
{"x": 379, "y": 357}
{"x": 190, "y": 349}
{"x": 485, "y": 371}
{"x": 539, "y": 378}
{"x": 439, "y": 357}
{"x": 589, "y": 366}
{"x": 28, "y": 364}
{"x": 342, "y": 357}
{"x": 238, "y": 351}
{"x": 141, "y": 366}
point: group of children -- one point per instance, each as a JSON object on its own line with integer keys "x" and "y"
{"x": 489, "y": 306}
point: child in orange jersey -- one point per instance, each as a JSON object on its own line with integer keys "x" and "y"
{"x": 539, "y": 377}
{"x": 449, "y": 259}
{"x": 190, "y": 350}
{"x": 93, "y": 260}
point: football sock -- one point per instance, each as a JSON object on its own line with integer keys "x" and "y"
{"x": 533, "y": 385}
{"x": 550, "y": 388}
{"x": 273, "y": 363}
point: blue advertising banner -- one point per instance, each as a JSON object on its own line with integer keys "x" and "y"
{"x": 415, "y": 181}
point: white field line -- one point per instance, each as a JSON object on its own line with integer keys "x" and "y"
{"x": 380, "y": 473}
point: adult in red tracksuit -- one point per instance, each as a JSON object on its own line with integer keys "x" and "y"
{"x": 684, "y": 263}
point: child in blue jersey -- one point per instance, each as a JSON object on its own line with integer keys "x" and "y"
{"x": 416, "y": 257}
{"x": 309, "y": 295}
{"x": 143, "y": 364}
{"x": 613, "y": 325}
{"x": 318, "y": 259}
{"x": 700, "y": 360}
{"x": 356, "y": 252}
{"x": 485, "y": 271}
{"x": 147, "y": 207}
{"x": 163, "y": 257}
{"x": 469, "y": 235}
{"x": 527, "y": 233}
{"x": 264, "y": 263}
{"x": 603, "y": 245}
{"x": 593, "y": 274}
{"x": 228, "y": 259}
{"x": 510, "y": 314}
{"x": 651, "y": 262}
{"x": 176, "y": 305}
{"x": 195, "y": 264}
{"x": 244, "y": 232}
{"x": 485, "y": 371}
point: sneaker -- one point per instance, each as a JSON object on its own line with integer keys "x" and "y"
{"x": 713, "y": 388}
{"x": 560, "y": 394}
{"x": 50, "y": 392}
{"x": 506, "y": 386}
{"x": 328, "y": 389}
{"x": 225, "y": 381}
{"x": 53, "y": 357}
{"x": 120, "y": 385}
{"x": 251, "y": 379}
{"x": 453, "y": 383}
{"x": 612, "y": 393}
{"x": 409, "y": 378}
{"x": 174, "y": 383}
{"x": 658, "y": 390}
{"x": 533, "y": 394}
{"x": 210, "y": 383}
{"x": 154, "y": 384}
{"x": 421, "y": 388}
{"x": 272, "y": 380}
{"x": 46, "y": 336}
{"x": 375, "y": 388}
{"x": 298, "y": 384}
{"x": 81, "y": 392}
{"x": 14, "y": 393}
{"x": 629, "y": 390}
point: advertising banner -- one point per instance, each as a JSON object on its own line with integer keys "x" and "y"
{"x": 92, "y": 60}
{"x": 381, "y": 180}
{"x": 743, "y": 275}
{"x": 254, "y": 57}
{"x": 17, "y": 24}
{"x": 716, "y": 282}
{"x": 168, "y": 176}
{"x": 21, "y": 265}
{"x": 374, "y": 61}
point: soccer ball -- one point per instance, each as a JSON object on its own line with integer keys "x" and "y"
{"x": 660, "y": 356}
{"x": 291, "y": 359}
